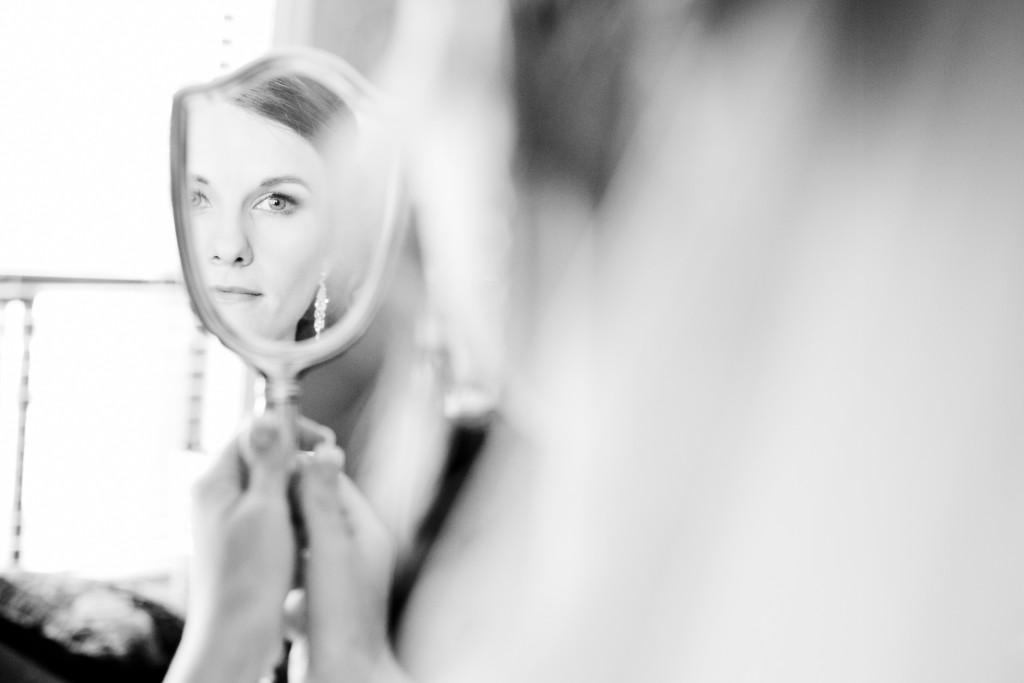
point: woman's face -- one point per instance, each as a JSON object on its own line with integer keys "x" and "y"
{"x": 256, "y": 189}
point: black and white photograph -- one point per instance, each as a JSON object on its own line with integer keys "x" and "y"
{"x": 512, "y": 341}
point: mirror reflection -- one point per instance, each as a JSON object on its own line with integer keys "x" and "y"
{"x": 279, "y": 239}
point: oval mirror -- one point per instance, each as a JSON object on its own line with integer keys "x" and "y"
{"x": 287, "y": 201}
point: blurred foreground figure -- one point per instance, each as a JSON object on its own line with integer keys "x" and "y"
{"x": 775, "y": 433}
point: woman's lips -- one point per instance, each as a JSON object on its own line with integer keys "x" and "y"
{"x": 228, "y": 295}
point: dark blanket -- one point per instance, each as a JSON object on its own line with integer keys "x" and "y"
{"x": 81, "y": 630}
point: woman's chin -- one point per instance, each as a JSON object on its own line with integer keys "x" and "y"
{"x": 249, "y": 325}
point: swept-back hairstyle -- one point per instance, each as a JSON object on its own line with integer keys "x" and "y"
{"x": 297, "y": 102}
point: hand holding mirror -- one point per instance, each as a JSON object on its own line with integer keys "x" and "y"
{"x": 287, "y": 203}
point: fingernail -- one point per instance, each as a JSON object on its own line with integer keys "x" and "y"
{"x": 329, "y": 436}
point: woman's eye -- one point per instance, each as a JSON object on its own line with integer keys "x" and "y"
{"x": 276, "y": 203}
{"x": 198, "y": 200}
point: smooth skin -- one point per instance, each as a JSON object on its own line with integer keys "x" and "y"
{"x": 258, "y": 195}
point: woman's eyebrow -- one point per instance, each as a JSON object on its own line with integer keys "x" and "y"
{"x": 281, "y": 179}
{"x": 200, "y": 179}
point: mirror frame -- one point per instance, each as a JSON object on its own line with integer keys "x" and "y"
{"x": 277, "y": 360}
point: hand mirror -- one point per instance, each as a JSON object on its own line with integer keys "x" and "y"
{"x": 287, "y": 198}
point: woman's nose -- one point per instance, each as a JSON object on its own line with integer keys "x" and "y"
{"x": 229, "y": 244}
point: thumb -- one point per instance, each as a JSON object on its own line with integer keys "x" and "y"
{"x": 267, "y": 455}
{"x": 347, "y": 569}
{"x": 328, "y": 563}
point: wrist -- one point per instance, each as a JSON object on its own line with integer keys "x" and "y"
{"x": 217, "y": 652}
{"x": 383, "y": 668}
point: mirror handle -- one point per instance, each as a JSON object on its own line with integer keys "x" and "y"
{"x": 283, "y": 400}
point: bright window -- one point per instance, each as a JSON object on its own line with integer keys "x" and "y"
{"x": 84, "y": 162}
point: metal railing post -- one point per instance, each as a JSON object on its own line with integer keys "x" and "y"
{"x": 23, "y": 401}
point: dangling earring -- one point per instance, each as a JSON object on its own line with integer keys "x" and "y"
{"x": 320, "y": 306}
